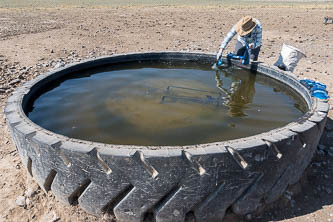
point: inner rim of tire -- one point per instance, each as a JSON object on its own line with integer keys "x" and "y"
{"x": 56, "y": 77}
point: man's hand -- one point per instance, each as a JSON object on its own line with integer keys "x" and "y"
{"x": 251, "y": 46}
{"x": 219, "y": 54}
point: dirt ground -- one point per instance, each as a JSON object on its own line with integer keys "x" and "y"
{"x": 33, "y": 41}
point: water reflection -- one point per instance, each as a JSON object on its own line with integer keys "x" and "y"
{"x": 240, "y": 93}
{"x": 174, "y": 94}
{"x": 149, "y": 104}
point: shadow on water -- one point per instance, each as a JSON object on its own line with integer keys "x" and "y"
{"x": 313, "y": 192}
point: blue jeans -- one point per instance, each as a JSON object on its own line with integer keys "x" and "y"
{"x": 240, "y": 49}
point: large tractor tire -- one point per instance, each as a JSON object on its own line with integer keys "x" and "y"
{"x": 169, "y": 183}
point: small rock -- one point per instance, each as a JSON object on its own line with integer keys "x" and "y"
{"x": 27, "y": 201}
{"x": 51, "y": 51}
{"x": 20, "y": 201}
{"x": 107, "y": 217}
{"x": 249, "y": 217}
{"x": 30, "y": 192}
{"x": 58, "y": 65}
{"x": 15, "y": 81}
{"x": 49, "y": 217}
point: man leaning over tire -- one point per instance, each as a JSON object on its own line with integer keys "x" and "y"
{"x": 249, "y": 32}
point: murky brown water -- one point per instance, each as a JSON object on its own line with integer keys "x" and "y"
{"x": 165, "y": 104}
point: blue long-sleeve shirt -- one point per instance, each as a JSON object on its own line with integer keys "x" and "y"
{"x": 256, "y": 36}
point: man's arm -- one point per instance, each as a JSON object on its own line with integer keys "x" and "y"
{"x": 228, "y": 37}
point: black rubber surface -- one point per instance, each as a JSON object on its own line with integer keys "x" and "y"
{"x": 169, "y": 182}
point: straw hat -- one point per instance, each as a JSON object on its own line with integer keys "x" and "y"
{"x": 245, "y": 25}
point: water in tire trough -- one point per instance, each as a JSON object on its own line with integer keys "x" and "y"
{"x": 164, "y": 103}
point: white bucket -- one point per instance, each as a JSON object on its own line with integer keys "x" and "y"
{"x": 289, "y": 57}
